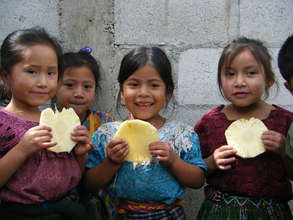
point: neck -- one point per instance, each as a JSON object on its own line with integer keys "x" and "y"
{"x": 258, "y": 110}
{"x": 30, "y": 113}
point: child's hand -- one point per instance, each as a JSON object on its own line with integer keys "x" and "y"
{"x": 274, "y": 141}
{"x": 223, "y": 157}
{"x": 82, "y": 136}
{"x": 117, "y": 150}
{"x": 163, "y": 151}
{"x": 36, "y": 139}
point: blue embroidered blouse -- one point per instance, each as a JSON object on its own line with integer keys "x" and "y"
{"x": 153, "y": 182}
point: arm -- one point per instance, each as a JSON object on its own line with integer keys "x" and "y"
{"x": 82, "y": 136}
{"x": 100, "y": 175}
{"x": 33, "y": 140}
{"x": 188, "y": 174}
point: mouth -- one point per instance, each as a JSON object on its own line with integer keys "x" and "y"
{"x": 144, "y": 105}
{"x": 40, "y": 93}
{"x": 240, "y": 94}
{"x": 77, "y": 104}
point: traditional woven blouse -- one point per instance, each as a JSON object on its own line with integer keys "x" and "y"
{"x": 262, "y": 176}
{"x": 44, "y": 175}
{"x": 153, "y": 182}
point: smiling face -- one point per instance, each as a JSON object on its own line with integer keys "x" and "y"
{"x": 77, "y": 90}
{"x": 144, "y": 94}
{"x": 243, "y": 82}
{"x": 33, "y": 80}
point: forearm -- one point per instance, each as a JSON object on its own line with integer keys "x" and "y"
{"x": 99, "y": 176}
{"x": 210, "y": 162}
{"x": 9, "y": 163}
{"x": 81, "y": 160}
{"x": 187, "y": 174}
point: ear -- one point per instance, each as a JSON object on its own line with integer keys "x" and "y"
{"x": 270, "y": 84}
{"x": 122, "y": 98}
{"x": 168, "y": 97}
{"x": 288, "y": 86}
{"x": 4, "y": 76}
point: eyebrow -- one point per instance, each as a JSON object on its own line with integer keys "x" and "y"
{"x": 149, "y": 80}
{"x": 37, "y": 66}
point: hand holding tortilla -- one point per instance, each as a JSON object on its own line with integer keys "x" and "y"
{"x": 245, "y": 136}
{"x": 62, "y": 124}
{"x": 138, "y": 134}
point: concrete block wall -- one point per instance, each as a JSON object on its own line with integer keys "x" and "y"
{"x": 192, "y": 32}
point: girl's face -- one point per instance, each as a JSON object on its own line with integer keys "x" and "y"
{"x": 33, "y": 80}
{"x": 144, "y": 94}
{"x": 77, "y": 90}
{"x": 244, "y": 82}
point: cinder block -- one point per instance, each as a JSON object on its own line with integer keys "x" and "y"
{"x": 269, "y": 20}
{"x": 197, "y": 77}
{"x": 19, "y": 14}
{"x": 209, "y": 23}
{"x": 201, "y": 22}
{"x": 139, "y": 22}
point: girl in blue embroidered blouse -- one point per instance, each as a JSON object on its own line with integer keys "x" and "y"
{"x": 154, "y": 190}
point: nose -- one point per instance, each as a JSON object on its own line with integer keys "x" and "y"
{"x": 42, "y": 80}
{"x": 78, "y": 92}
{"x": 240, "y": 80}
{"x": 143, "y": 90}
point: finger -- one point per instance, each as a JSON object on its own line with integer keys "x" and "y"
{"x": 224, "y": 162}
{"x": 48, "y": 144}
{"x": 42, "y": 127}
{"x": 269, "y": 143}
{"x": 119, "y": 147}
{"x": 225, "y": 148}
{"x": 131, "y": 117}
{"x": 226, "y": 154}
{"x": 159, "y": 145}
{"x": 115, "y": 142}
{"x": 225, "y": 167}
{"x": 83, "y": 139}
{"x": 159, "y": 153}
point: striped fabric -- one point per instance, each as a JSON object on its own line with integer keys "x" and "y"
{"x": 223, "y": 206}
{"x": 175, "y": 213}
{"x": 95, "y": 119}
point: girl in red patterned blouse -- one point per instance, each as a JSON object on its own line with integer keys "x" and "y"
{"x": 35, "y": 183}
{"x": 238, "y": 188}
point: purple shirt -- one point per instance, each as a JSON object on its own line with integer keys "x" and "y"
{"x": 44, "y": 175}
{"x": 262, "y": 176}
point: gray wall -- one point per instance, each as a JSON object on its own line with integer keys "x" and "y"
{"x": 193, "y": 34}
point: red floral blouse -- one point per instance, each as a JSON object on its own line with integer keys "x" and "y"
{"x": 263, "y": 176}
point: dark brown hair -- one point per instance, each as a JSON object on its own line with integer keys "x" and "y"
{"x": 257, "y": 49}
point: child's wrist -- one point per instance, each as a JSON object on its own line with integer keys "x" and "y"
{"x": 113, "y": 161}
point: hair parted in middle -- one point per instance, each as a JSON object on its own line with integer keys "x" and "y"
{"x": 257, "y": 49}
{"x": 141, "y": 56}
{"x": 82, "y": 58}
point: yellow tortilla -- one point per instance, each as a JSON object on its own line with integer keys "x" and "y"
{"x": 138, "y": 134}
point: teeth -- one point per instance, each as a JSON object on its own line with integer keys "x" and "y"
{"x": 144, "y": 105}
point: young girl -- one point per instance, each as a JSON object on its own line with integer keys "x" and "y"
{"x": 152, "y": 191}
{"x": 77, "y": 87}
{"x": 255, "y": 188}
{"x": 35, "y": 183}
